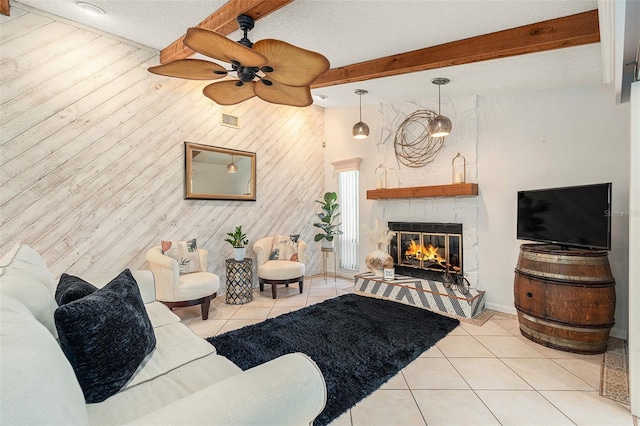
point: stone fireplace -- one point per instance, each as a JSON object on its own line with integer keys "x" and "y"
{"x": 425, "y": 250}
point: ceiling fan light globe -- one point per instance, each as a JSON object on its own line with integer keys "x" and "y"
{"x": 360, "y": 130}
{"x": 90, "y": 8}
{"x": 439, "y": 127}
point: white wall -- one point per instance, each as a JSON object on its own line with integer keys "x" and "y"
{"x": 543, "y": 139}
{"x": 528, "y": 140}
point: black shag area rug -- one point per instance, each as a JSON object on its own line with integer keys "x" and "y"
{"x": 358, "y": 343}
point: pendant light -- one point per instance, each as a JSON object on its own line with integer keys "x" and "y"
{"x": 360, "y": 129}
{"x": 441, "y": 125}
{"x": 232, "y": 167}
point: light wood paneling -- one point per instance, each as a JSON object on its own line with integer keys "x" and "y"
{"x": 92, "y": 154}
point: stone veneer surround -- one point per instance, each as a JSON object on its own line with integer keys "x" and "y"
{"x": 463, "y": 140}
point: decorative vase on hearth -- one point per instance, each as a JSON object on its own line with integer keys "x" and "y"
{"x": 378, "y": 260}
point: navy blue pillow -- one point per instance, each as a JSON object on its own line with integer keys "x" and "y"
{"x": 72, "y": 288}
{"x": 106, "y": 336}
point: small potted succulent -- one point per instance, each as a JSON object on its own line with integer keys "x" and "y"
{"x": 238, "y": 240}
{"x": 327, "y": 218}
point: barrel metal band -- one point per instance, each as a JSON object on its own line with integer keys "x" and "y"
{"x": 582, "y": 329}
{"x": 563, "y": 344}
{"x": 575, "y": 279}
{"x": 566, "y": 260}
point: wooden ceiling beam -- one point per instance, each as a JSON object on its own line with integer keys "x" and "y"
{"x": 223, "y": 21}
{"x": 5, "y": 7}
{"x": 569, "y": 31}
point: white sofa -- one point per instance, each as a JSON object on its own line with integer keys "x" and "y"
{"x": 182, "y": 381}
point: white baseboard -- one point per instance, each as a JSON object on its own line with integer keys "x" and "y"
{"x": 619, "y": 333}
{"x": 501, "y": 308}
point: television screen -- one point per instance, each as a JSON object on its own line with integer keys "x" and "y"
{"x": 577, "y": 216}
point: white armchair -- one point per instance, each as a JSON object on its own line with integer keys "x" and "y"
{"x": 175, "y": 290}
{"x": 274, "y": 272}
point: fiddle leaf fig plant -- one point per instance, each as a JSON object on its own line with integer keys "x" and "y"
{"x": 238, "y": 238}
{"x": 328, "y": 217}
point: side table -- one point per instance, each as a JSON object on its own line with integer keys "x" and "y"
{"x": 325, "y": 255}
{"x": 239, "y": 282}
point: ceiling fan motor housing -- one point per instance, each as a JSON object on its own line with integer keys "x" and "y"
{"x": 246, "y": 23}
{"x": 246, "y": 74}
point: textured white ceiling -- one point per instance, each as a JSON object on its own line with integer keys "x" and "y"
{"x": 351, "y": 31}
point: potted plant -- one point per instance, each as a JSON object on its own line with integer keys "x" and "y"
{"x": 327, "y": 218}
{"x": 238, "y": 240}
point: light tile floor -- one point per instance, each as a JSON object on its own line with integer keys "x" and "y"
{"x": 476, "y": 375}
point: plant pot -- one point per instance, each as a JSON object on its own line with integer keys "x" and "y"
{"x": 326, "y": 244}
{"x": 238, "y": 253}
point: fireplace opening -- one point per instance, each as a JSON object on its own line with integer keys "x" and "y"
{"x": 426, "y": 250}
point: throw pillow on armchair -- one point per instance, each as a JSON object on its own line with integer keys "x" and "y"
{"x": 185, "y": 252}
{"x": 285, "y": 247}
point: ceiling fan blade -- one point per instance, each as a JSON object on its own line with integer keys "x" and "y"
{"x": 194, "y": 69}
{"x": 279, "y": 93}
{"x": 291, "y": 65}
{"x": 217, "y": 46}
{"x": 227, "y": 93}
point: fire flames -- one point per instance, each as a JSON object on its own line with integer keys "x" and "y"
{"x": 420, "y": 252}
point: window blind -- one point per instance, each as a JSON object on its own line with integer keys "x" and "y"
{"x": 348, "y": 242}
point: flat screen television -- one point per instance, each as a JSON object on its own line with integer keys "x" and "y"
{"x": 577, "y": 216}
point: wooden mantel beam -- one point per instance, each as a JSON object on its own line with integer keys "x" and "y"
{"x": 223, "y": 21}
{"x": 569, "y": 31}
{"x": 5, "y": 7}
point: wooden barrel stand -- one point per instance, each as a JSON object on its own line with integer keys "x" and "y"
{"x": 565, "y": 299}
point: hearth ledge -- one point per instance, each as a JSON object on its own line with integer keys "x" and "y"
{"x": 424, "y": 294}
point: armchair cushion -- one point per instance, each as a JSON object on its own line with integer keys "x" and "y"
{"x": 106, "y": 336}
{"x": 195, "y": 286}
{"x": 281, "y": 270}
{"x": 185, "y": 252}
{"x": 285, "y": 247}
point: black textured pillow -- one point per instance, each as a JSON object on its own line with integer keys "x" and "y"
{"x": 105, "y": 336}
{"x": 72, "y": 288}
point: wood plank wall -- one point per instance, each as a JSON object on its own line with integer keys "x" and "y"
{"x": 92, "y": 154}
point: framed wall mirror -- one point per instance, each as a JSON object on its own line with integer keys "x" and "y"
{"x": 215, "y": 173}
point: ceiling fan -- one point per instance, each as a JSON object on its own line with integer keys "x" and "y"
{"x": 273, "y": 70}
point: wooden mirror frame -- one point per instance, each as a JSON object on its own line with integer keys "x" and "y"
{"x": 218, "y": 159}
